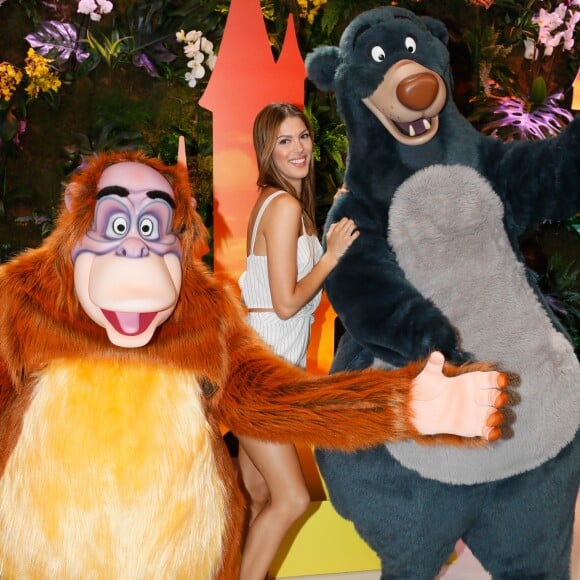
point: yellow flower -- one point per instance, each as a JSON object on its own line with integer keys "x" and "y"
{"x": 41, "y": 79}
{"x": 309, "y": 8}
{"x": 10, "y": 78}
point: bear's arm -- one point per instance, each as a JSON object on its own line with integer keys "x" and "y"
{"x": 380, "y": 309}
{"x": 537, "y": 179}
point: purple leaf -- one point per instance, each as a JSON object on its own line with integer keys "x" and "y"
{"x": 58, "y": 41}
{"x": 141, "y": 60}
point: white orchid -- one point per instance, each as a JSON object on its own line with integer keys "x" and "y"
{"x": 105, "y": 6}
{"x": 211, "y": 60}
{"x": 193, "y": 36}
{"x": 206, "y": 45}
{"x": 195, "y": 65}
{"x": 557, "y": 27}
{"x": 86, "y": 6}
{"x": 199, "y": 50}
{"x": 192, "y": 48}
{"x": 95, "y": 8}
{"x": 197, "y": 72}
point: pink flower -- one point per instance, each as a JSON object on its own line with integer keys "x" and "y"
{"x": 563, "y": 21}
{"x": 485, "y": 3}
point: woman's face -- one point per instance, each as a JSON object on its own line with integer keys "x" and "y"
{"x": 293, "y": 151}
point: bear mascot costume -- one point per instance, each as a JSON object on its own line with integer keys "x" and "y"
{"x": 437, "y": 267}
{"x": 120, "y": 358}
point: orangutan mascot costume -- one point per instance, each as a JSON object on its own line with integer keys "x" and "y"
{"x": 121, "y": 356}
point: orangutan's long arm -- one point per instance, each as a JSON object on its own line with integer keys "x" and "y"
{"x": 266, "y": 398}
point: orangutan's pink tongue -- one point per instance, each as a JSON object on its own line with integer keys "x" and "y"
{"x": 129, "y": 323}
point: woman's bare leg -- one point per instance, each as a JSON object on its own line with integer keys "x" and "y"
{"x": 278, "y": 467}
{"x": 255, "y": 485}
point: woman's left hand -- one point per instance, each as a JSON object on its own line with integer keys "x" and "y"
{"x": 340, "y": 237}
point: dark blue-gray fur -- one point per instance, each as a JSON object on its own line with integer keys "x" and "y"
{"x": 535, "y": 180}
{"x": 519, "y": 526}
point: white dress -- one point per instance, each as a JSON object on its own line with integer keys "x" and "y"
{"x": 287, "y": 338}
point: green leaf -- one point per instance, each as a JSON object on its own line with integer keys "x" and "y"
{"x": 539, "y": 91}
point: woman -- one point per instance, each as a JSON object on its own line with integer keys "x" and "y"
{"x": 281, "y": 288}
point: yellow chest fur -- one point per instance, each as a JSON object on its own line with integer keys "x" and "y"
{"x": 113, "y": 477}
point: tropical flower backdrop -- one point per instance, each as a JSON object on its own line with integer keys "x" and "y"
{"x": 78, "y": 77}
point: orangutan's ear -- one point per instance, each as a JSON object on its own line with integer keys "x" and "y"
{"x": 68, "y": 198}
{"x": 182, "y": 160}
{"x": 181, "y": 156}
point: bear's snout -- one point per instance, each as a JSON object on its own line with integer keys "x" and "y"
{"x": 418, "y": 91}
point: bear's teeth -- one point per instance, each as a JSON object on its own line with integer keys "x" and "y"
{"x": 414, "y": 128}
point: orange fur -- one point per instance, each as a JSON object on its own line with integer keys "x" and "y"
{"x": 244, "y": 385}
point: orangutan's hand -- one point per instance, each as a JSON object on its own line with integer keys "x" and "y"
{"x": 468, "y": 405}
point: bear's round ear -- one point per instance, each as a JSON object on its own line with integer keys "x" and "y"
{"x": 437, "y": 28}
{"x": 321, "y": 65}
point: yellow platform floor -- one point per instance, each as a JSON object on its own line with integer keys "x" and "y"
{"x": 466, "y": 567}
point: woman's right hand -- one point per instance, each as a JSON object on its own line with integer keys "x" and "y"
{"x": 340, "y": 236}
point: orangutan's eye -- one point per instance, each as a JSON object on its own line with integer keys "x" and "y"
{"x": 118, "y": 227}
{"x": 378, "y": 54}
{"x": 410, "y": 44}
{"x": 149, "y": 228}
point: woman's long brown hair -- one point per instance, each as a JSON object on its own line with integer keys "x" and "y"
{"x": 266, "y": 127}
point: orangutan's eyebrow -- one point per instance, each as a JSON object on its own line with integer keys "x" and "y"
{"x": 113, "y": 190}
{"x": 155, "y": 194}
{"x": 124, "y": 192}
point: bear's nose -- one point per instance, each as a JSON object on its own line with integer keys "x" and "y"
{"x": 418, "y": 91}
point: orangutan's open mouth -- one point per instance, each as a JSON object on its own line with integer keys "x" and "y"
{"x": 129, "y": 323}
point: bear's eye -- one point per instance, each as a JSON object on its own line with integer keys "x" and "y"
{"x": 378, "y": 54}
{"x": 410, "y": 44}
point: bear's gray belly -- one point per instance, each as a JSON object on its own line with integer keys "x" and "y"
{"x": 447, "y": 231}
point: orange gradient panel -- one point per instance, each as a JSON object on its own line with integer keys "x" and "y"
{"x": 245, "y": 79}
